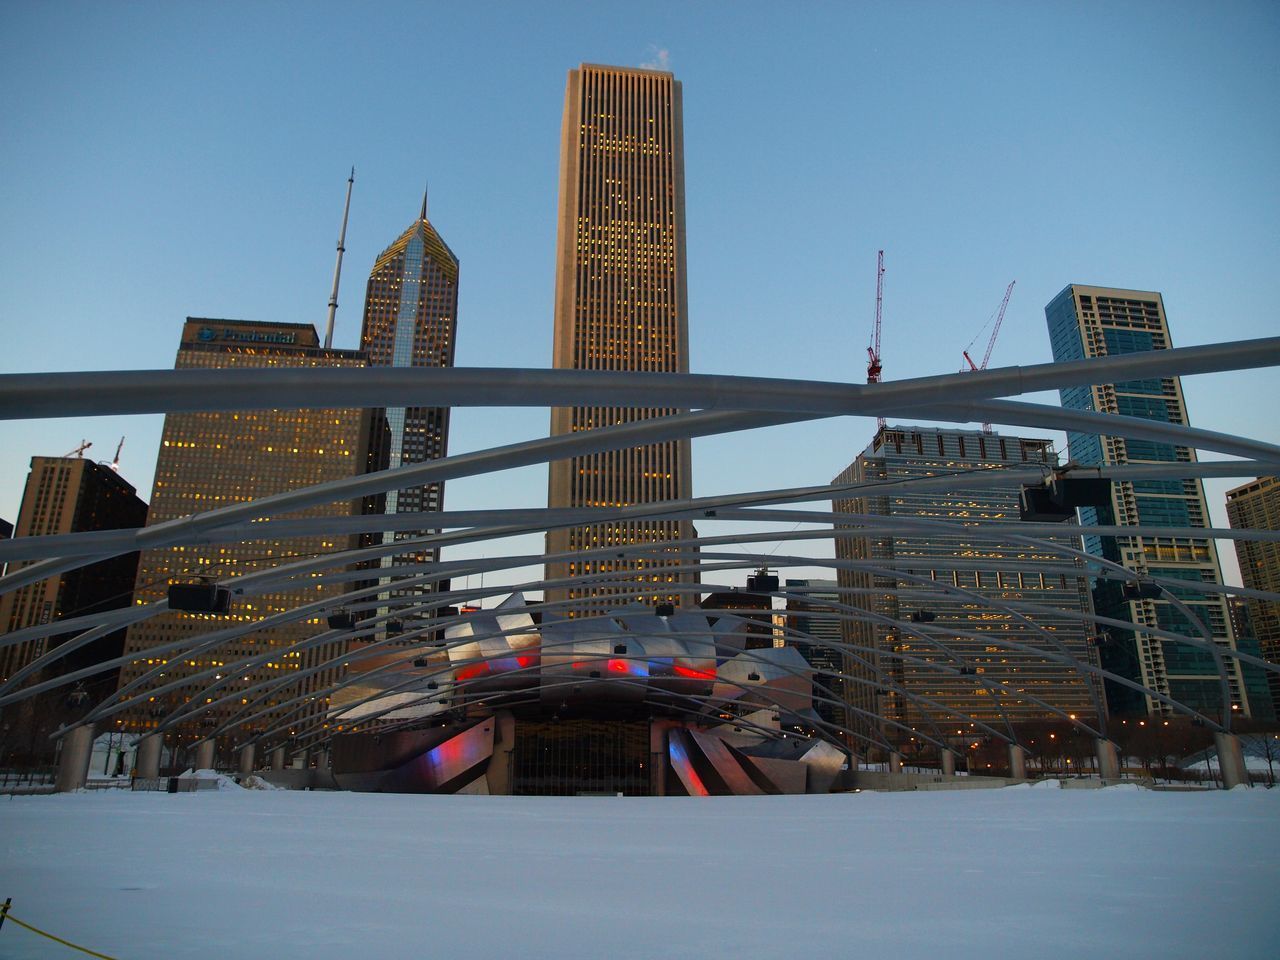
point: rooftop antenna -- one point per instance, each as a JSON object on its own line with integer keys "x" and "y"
{"x": 115, "y": 464}
{"x": 337, "y": 267}
{"x": 425, "y": 188}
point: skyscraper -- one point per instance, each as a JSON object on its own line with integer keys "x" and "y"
{"x": 411, "y": 320}
{"x": 214, "y": 459}
{"x": 67, "y": 495}
{"x": 1087, "y": 321}
{"x": 621, "y": 304}
{"x": 1256, "y": 505}
{"x": 948, "y": 669}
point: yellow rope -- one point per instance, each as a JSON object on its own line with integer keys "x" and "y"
{"x": 73, "y": 946}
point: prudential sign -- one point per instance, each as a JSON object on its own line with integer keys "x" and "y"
{"x": 228, "y": 334}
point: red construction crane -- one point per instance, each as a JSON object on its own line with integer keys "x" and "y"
{"x": 873, "y": 351}
{"x": 995, "y": 332}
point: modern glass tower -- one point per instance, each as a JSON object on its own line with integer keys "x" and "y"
{"x": 923, "y": 659}
{"x": 1087, "y": 321}
{"x": 411, "y": 320}
{"x": 621, "y": 304}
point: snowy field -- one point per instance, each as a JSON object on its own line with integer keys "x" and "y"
{"x": 1022, "y": 871}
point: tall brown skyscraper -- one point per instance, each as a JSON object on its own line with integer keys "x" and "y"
{"x": 621, "y": 303}
{"x": 65, "y": 495}
{"x": 213, "y": 459}
{"x": 1256, "y": 505}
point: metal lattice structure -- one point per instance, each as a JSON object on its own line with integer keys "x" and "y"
{"x": 466, "y": 660}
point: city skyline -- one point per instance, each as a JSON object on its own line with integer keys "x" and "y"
{"x": 873, "y": 152}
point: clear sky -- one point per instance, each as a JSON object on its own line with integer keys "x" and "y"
{"x": 166, "y": 160}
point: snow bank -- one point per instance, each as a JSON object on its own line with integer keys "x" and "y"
{"x": 221, "y": 781}
{"x": 961, "y": 874}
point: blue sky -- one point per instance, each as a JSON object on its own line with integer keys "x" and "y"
{"x": 165, "y": 160}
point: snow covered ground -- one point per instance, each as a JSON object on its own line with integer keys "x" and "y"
{"x": 1023, "y": 871}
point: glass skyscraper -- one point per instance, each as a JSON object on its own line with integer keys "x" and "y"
{"x": 411, "y": 320}
{"x": 1087, "y": 321}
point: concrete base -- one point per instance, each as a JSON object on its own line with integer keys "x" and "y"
{"x": 73, "y": 762}
{"x": 1231, "y": 760}
{"x": 948, "y": 763}
{"x": 277, "y": 758}
{"x": 247, "y": 758}
{"x": 499, "y": 773}
{"x": 322, "y": 760}
{"x": 1108, "y": 761}
{"x": 895, "y": 763}
{"x": 1017, "y": 762}
{"x": 204, "y": 755}
{"x": 147, "y": 762}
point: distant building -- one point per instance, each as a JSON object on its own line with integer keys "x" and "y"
{"x": 411, "y": 320}
{"x": 1087, "y": 322}
{"x": 754, "y": 609}
{"x": 1002, "y": 571}
{"x": 1256, "y": 506}
{"x": 818, "y": 619}
{"x": 68, "y": 495}
{"x": 214, "y": 459}
{"x": 1256, "y": 680}
{"x": 621, "y": 304}
{"x": 6, "y": 531}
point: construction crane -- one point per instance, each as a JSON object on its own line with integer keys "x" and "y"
{"x": 873, "y": 350}
{"x": 991, "y": 343}
{"x": 78, "y": 451}
{"x": 115, "y": 462}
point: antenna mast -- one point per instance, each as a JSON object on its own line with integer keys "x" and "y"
{"x": 873, "y": 351}
{"x": 337, "y": 268}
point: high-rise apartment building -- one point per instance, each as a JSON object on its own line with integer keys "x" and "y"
{"x": 411, "y": 320}
{"x": 1087, "y": 321}
{"x": 1045, "y": 586}
{"x": 214, "y": 459}
{"x": 1256, "y": 505}
{"x": 67, "y": 495}
{"x": 621, "y": 304}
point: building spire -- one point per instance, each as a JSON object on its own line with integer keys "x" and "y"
{"x": 337, "y": 268}
{"x": 425, "y": 187}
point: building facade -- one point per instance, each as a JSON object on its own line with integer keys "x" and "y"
{"x": 621, "y": 304}
{"x": 214, "y": 459}
{"x": 67, "y": 495}
{"x": 1086, "y": 321}
{"x": 1256, "y": 506}
{"x": 411, "y": 320}
{"x": 923, "y": 659}
{"x": 810, "y": 613}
